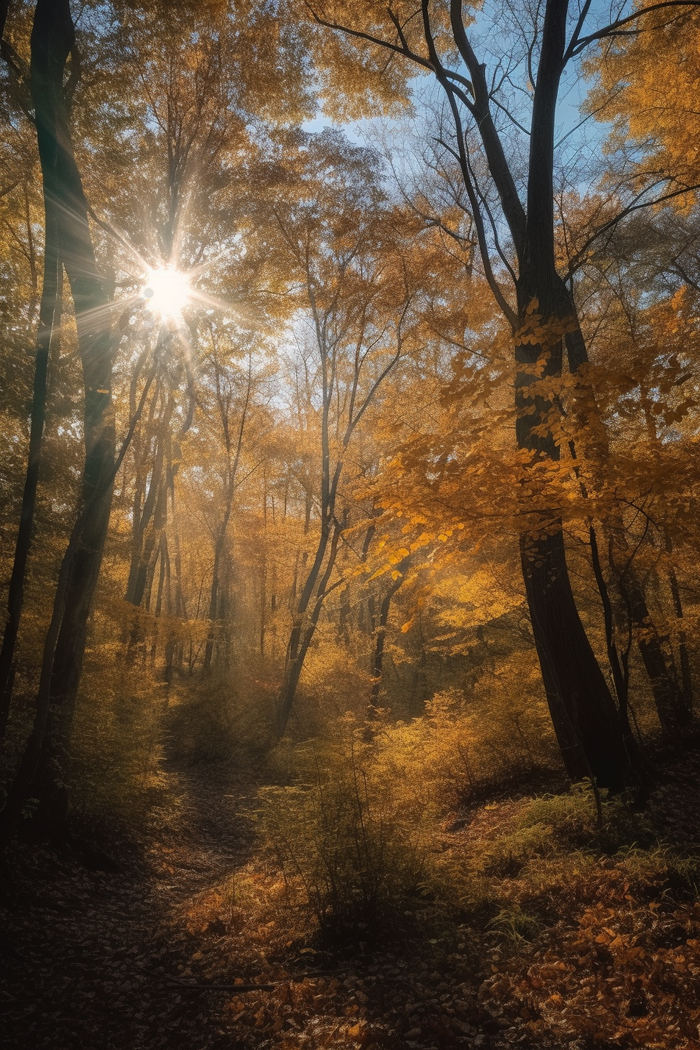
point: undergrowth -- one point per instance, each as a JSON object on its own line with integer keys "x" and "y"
{"x": 346, "y": 841}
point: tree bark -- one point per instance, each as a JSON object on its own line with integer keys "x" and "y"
{"x": 583, "y": 712}
{"x": 149, "y": 519}
{"x": 44, "y": 761}
{"x": 305, "y": 624}
{"x": 674, "y": 714}
{"x": 584, "y": 715}
{"x": 47, "y": 315}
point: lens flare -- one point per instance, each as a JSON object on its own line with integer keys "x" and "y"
{"x": 167, "y": 292}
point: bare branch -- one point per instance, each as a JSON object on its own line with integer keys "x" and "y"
{"x": 463, "y": 161}
{"x": 578, "y": 27}
{"x": 578, "y": 260}
{"x": 578, "y": 44}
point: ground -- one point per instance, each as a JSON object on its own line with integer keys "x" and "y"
{"x": 152, "y": 955}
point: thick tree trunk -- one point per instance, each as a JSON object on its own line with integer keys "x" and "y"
{"x": 41, "y": 770}
{"x": 584, "y": 715}
{"x": 583, "y": 711}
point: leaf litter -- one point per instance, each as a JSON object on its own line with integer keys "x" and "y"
{"x": 132, "y": 959}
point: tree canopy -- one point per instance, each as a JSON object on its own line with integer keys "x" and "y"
{"x": 350, "y": 378}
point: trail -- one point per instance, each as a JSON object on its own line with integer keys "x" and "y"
{"x": 90, "y": 960}
{"x": 82, "y": 950}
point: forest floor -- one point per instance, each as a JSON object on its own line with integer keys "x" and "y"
{"x": 601, "y": 950}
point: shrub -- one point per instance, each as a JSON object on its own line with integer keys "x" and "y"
{"x": 350, "y": 836}
{"x": 116, "y": 746}
{"x": 462, "y": 746}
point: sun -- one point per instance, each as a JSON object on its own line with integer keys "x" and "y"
{"x": 167, "y": 291}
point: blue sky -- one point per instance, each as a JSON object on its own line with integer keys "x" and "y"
{"x": 573, "y": 91}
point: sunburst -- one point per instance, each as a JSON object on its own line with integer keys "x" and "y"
{"x": 167, "y": 292}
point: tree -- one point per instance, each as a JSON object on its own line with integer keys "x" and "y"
{"x": 232, "y": 397}
{"x": 52, "y": 42}
{"x": 656, "y": 130}
{"x": 539, "y": 308}
{"x": 343, "y": 254}
{"x": 49, "y": 308}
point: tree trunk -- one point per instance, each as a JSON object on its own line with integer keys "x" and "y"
{"x": 674, "y": 714}
{"x": 149, "y": 520}
{"x": 584, "y": 716}
{"x": 378, "y": 661}
{"x": 686, "y": 678}
{"x": 233, "y": 458}
{"x": 41, "y": 769}
{"x": 304, "y": 626}
{"x": 47, "y": 315}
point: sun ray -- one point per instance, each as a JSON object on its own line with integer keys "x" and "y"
{"x": 116, "y": 235}
{"x": 243, "y": 313}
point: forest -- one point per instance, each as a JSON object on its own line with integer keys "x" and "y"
{"x": 349, "y": 524}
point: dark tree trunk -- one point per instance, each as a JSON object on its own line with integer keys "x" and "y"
{"x": 180, "y": 603}
{"x": 44, "y": 761}
{"x": 344, "y": 612}
{"x": 149, "y": 522}
{"x": 233, "y": 458}
{"x": 674, "y": 714}
{"x": 150, "y": 519}
{"x": 378, "y": 662}
{"x": 673, "y": 711}
{"x": 686, "y": 678}
{"x": 584, "y": 715}
{"x": 219, "y": 551}
{"x": 263, "y": 603}
{"x": 47, "y": 316}
{"x": 581, "y": 703}
{"x": 305, "y": 624}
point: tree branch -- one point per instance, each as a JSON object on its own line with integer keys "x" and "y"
{"x": 577, "y": 45}
{"x": 358, "y": 34}
{"x": 577, "y": 260}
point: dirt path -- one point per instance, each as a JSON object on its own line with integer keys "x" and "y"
{"x": 91, "y": 961}
{"x": 85, "y": 957}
